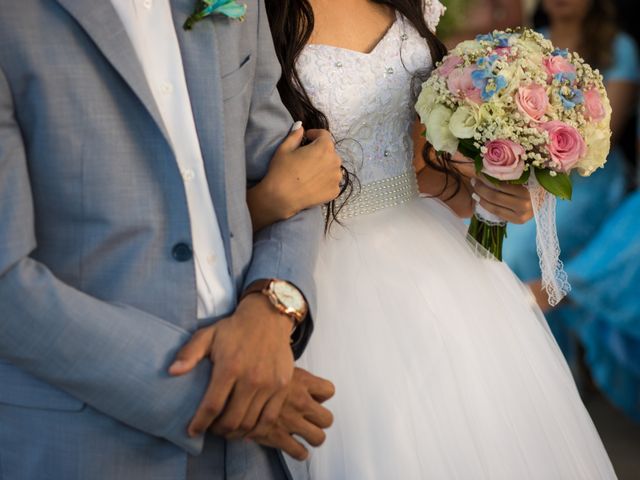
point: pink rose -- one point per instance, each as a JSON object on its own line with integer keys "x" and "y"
{"x": 533, "y": 101}
{"x": 503, "y": 51}
{"x": 449, "y": 64}
{"x": 503, "y": 160}
{"x": 566, "y": 145}
{"x": 460, "y": 84}
{"x": 558, "y": 64}
{"x": 593, "y": 105}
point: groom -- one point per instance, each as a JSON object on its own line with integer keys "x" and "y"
{"x": 126, "y": 147}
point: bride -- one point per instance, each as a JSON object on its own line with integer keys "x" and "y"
{"x": 443, "y": 365}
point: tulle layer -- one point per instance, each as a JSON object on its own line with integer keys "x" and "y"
{"x": 444, "y": 368}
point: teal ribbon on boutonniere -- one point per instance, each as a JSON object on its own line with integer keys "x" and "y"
{"x": 204, "y": 8}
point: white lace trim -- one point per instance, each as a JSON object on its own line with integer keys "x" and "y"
{"x": 433, "y": 12}
{"x": 554, "y": 278}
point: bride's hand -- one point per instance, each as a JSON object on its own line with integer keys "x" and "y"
{"x": 512, "y": 203}
{"x": 299, "y": 177}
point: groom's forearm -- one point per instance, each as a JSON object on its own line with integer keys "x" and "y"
{"x": 287, "y": 250}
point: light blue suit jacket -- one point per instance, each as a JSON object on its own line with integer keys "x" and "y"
{"x": 93, "y": 305}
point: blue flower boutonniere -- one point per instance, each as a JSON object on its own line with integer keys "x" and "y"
{"x": 204, "y": 8}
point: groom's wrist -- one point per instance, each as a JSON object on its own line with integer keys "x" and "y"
{"x": 261, "y": 308}
{"x": 285, "y": 298}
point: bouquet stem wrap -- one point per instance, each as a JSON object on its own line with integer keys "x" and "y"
{"x": 488, "y": 230}
{"x": 554, "y": 279}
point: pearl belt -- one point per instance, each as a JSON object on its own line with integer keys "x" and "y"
{"x": 381, "y": 194}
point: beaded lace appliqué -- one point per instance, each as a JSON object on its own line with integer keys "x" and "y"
{"x": 368, "y": 99}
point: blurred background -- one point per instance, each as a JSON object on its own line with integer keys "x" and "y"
{"x": 598, "y": 325}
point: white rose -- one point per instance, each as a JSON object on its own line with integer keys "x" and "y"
{"x": 598, "y": 140}
{"x": 514, "y": 75}
{"x": 438, "y": 132}
{"x": 467, "y": 47}
{"x": 425, "y": 103}
{"x": 532, "y": 47}
{"x": 464, "y": 122}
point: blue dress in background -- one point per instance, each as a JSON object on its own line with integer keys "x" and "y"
{"x": 604, "y": 306}
{"x": 600, "y": 240}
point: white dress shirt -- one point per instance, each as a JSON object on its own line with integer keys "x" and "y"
{"x": 149, "y": 25}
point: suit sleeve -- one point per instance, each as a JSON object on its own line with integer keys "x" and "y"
{"x": 113, "y": 357}
{"x": 286, "y": 250}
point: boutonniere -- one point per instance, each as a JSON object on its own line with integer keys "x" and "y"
{"x": 204, "y": 8}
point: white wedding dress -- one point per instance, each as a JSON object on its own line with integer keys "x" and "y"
{"x": 443, "y": 366}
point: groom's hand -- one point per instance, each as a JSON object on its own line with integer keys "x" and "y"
{"x": 252, "y": 367}
{"x": 302, "y": 414}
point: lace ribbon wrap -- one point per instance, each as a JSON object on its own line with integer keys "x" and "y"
{"x": 554, "y": 279}
{"x": 487, "y": 217}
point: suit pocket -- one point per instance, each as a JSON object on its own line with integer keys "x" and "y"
{"x": 235, "y": 83}
{"x": 20, "y": 389}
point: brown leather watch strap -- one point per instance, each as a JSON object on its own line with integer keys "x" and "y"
{"x": 256, "y": 287}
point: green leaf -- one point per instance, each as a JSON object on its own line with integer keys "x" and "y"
{"x": 467, "y": 148}
{"x": 558, "y": 185}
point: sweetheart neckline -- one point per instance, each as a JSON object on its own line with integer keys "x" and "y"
{"x": 358, "y": 52}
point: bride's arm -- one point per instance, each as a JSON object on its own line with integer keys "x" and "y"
{"x": 299, "y": 177}
{"x": 512, "y": 203}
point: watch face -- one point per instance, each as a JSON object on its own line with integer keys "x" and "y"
{"x": 289, "y": 296}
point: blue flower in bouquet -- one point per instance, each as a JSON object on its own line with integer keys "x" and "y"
{"x": 485, "y": 80}
{"x": 205, "y": 8}
{"x": 487, "y": 37}
{"x": 502, "y": 40}
{"x": 565, "y": 77}
{"x": 571, "y": 97}
{"x": 499, "y": 39}
{"x": 488, "y": 83}
{"x": 486, "y": 63}
{"x": 560, "y": 52}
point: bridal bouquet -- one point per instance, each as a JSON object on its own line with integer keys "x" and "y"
{"x": 526, "y": 113}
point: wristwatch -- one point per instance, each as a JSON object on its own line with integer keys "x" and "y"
{"x": 286, "y": 298}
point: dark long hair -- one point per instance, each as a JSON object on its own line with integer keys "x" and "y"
{"x": 292, "y": 23}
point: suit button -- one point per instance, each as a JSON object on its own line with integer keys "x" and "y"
{"x": 182, "y": 252}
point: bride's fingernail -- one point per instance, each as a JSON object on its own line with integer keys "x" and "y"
{"x": 296, "y": 126}
{"x": 472, "y": 182}
{"x": 475, "y": 197}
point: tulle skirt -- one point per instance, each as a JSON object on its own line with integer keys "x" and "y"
{"x": 443, "y": 365}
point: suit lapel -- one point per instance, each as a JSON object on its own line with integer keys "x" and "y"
{"x": 199, "y": 49}
{"x": 100, "y": 21}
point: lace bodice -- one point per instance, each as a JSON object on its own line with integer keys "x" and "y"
{"x": 368, "y": 98}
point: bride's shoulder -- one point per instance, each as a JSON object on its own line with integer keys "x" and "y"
{"x": 433, "y": 12}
